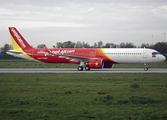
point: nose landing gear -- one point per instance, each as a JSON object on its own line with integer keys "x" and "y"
{"x": 145, "y": 68}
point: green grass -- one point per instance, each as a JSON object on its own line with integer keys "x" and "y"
{"x": 8, "y": 57}
{"x": 83, "y": 96}
{"x": 32, "y": 64}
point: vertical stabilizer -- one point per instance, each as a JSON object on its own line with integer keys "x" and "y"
{"x": 17, "y": 40}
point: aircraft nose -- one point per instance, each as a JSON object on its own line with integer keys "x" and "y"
{"x": 163, "y": 58}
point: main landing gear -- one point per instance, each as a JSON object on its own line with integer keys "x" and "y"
{"x": 80, "y": 68}
{"x": 145, "y": 68}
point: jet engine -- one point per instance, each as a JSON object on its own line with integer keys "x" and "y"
{"x": 96, "y": 63}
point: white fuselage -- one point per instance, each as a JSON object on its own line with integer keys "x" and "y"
{"x": 134, "y": 55}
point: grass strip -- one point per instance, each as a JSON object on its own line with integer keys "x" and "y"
{"x": 83, "y": 96}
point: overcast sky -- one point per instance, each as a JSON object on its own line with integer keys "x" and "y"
{"x": 112, "y": 21}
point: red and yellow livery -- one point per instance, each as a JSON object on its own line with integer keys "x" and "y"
{"x": 92, "y": 57}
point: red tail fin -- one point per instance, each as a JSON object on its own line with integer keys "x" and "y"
{"x": 17, "y": 39}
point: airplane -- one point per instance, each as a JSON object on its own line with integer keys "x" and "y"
{"x": 92, "y": 58}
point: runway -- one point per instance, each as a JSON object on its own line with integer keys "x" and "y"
{"x": 74, "y": 70}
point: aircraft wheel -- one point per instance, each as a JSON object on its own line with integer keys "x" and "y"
{"x": 87, "y": 68}
{"x": 80, "y": 68}
{"x": 146, "y": 68}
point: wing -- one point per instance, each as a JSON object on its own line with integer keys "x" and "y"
{"x": 74, "y": 58}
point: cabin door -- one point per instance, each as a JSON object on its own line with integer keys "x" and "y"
{"x": 144, "y": 53}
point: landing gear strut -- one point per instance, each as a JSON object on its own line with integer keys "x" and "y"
{"x": 80, "y": 68}
{"x": 145, "y": 68}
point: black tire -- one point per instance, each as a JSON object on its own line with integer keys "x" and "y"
{"x": 87, "y": 68}
{"x": 146, "y": 68}
{"x": 80, "y": 68}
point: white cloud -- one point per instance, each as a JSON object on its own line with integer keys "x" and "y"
{"x": 37, "y": 24}
{"x": 90, "y": 9}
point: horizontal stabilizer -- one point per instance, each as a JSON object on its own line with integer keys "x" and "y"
{"x": 12, "y": 51}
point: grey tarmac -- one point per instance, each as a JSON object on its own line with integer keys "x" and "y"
{"x": 74, "y": 70}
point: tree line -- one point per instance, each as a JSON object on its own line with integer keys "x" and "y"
{"x": 5, "y": 48}
{"x": 160, "y": 46}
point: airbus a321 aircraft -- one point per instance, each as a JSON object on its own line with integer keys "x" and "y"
{"x": 93, "y": 58}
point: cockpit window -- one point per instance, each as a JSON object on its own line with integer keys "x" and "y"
{"x": 155, "y": 53}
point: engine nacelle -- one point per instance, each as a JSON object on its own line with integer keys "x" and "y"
{"x": 108, "y": 65}
{"x": 96, "y": 63}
